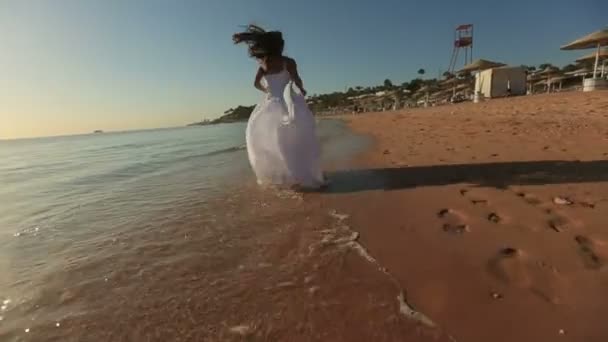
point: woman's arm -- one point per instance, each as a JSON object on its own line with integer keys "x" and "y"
{"x": 258, "y": 81}
{"x": 292, "y": 68}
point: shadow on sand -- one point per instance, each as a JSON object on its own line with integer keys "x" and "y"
{"x": 497, "y": 175}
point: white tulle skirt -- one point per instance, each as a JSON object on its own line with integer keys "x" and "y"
{"x": 282, "y": 143}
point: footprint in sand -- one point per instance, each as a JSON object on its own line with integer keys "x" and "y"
{"x": 474, "y": 200}
{"x": 588, "y": 205}
{"x": 587, "y": 250}
{"x": 454, "y": 222}
{"x": 493, "y": 217}
{"x": 558, "y": 223}
{"x": 516, "y": 268}
{"x": 508, "y": 267}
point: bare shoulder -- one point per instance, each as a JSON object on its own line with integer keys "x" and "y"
{"x": 290, "y": 62}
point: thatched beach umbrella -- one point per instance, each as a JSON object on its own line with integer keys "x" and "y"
{"x": 479, "y": 65}
{"x": 533, "y": 80}
{"x": 462, "y": 86}
{"x": 603, "y": 58}
{"x": 549, "y": 73}
{"x": 593, "y": 40}
{"x": 557, "y": 80}
{"x": 591, "y": 57}
{"x": 580, "y": 72}
{"x": 424, "y": 90}
{"x": 533, "y": 77}
{"x": 451, "y": 83}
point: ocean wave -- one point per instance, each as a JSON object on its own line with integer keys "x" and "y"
{"x": 156, "y": 164}
{"x": 225, "y": 150}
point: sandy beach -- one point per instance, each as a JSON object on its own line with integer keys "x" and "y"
{"x": 491, "y": 216}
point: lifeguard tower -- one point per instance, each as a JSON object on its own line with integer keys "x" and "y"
{"x": 463, "y": 45}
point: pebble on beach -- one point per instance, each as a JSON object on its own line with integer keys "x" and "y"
{"x": 562, "y": 201}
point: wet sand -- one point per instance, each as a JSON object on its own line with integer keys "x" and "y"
{"x": 491, "y": 216}
{"x": 278, "y": 267}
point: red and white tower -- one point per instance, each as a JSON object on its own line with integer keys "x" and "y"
{"x": 463, "y": 45}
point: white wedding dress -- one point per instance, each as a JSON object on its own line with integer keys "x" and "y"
{"x": 281, "y": 138}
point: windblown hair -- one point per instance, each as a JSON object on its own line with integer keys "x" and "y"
{"x": 261, "y": 43}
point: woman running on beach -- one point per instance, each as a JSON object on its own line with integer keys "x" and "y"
{"x": 281, "y": 139}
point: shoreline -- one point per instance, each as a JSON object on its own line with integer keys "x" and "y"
{"x": 249, "y": 263}
{"x": 490, "y": 213}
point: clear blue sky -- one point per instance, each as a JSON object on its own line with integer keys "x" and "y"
{"x": 70, "y": 66}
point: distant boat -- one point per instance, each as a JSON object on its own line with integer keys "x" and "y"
{"x": 98, "y": 131}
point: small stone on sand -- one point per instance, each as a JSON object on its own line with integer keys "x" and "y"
{"x": 562, "y": 201}
{"x": 242, "y": 330}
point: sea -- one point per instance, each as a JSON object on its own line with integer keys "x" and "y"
{"x": 140, "y": 235}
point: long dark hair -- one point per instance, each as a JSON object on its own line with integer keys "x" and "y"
{"x": 261, "y": 43}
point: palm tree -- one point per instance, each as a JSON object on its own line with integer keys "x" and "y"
{"x": 414, "y": 85}
{"x": 421, "y": 71}
{"x": 388, "y": 84}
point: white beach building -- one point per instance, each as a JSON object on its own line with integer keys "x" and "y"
{"x": 501, "y": 81}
